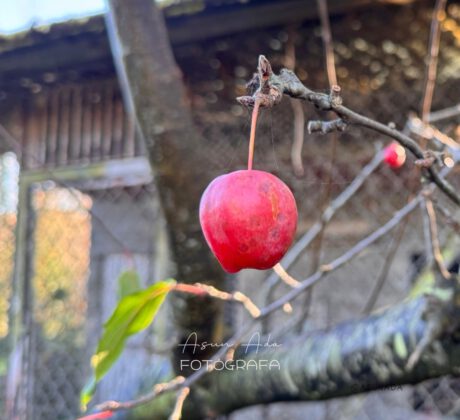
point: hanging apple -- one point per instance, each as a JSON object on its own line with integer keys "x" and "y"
{"x": 248, "y": 217}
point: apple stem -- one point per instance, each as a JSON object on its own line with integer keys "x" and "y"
{"x": 255, "y": 113}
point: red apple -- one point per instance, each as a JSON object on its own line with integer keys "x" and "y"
{"x": 249, "y": 219}
{"x": 394, "y": 155}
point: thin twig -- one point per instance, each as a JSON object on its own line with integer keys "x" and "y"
{"x": 290, "y": 85}
{"x": 434, "y": 238}
{"x": 345, "y": 257}
{"x": 444, "y": 114}
{"x": 201, "y": 289}
{"x": 283, "y": 275}
{"x": 335, "y": 125}
{"x": 435, "y": 37}
{"x": 253, "y": 310}
{"x": 181, "y": 396}
{"x": 294, "y": 253}
{"x": 98, "y": 416}
{"x": 327, "y": 41}
{"x": 369, "y": 240}
{"x": 389, "y": 258}
{"x": 429, "y": 218}
{"x": 429, "y": 132}
{"x": 158, "y": 389}
{"x": 299, "y": 136}
{"x": 180, "y": 381}
{"x": 325, "y": 127}
{"x": 426, "y": 229}
{"x": 298, "y": 111}
{"x": 431, "y": 232}
{"x": 448, "y": 216}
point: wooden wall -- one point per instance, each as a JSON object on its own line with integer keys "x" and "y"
{"x": 71, "y": 124}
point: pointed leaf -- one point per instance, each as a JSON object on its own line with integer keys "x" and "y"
{"x": 134, "y": 313}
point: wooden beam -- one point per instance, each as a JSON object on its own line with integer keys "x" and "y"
{"x": 109, "y": 174}
{"x": 224, "y": 21}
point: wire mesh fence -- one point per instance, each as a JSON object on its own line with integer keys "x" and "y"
{"x": 61, "y": 245}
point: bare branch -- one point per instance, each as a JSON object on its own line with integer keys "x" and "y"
{"x": 299, "y": 135}
{"x": 325, "y": 127}
{"x": 200, "y": 289}
{"x": 158, "y": 389}
{"x": 389, "y": 258}
{"x": 447, "y": 215}
{"x": 261, "y": 90}
{"x": 289, "y": 84}
{"x": 181, "y": 396}
{"x": 435, "y": 37}
{"x": 431, "y": 233}
{"x": 430, "y": 230}
{"x": 430, "y": 132}
{"x": 297, "y": 109}
{"x": 444, "y": 114}
{"x": 434, "y": 239}
{"x": 327, "y": 41}
{"x": 283, "y": 275}
{"x": 426, "y": 162}
{"x": 344, "y": 258}
{"x": 294, "y": 253}
{"x": 426, "y": 230}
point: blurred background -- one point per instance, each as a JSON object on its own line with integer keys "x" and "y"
{"x": 78, "y": 205}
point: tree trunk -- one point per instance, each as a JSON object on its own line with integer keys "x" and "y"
{"x": 153, "y": 88}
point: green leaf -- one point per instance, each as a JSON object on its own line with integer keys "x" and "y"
{"x": 134, "y": 313}
{"x": 87, "y": 393}
{"x": 128, "y": 283}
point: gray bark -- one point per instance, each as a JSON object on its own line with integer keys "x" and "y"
{"x": 152, "y": 85}
{"x": 351, "y": 358}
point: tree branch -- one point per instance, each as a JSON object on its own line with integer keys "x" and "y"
{"x": 354, "y": 357}
{"x": 294, "y": 253}
{"x": 435, "y": 37}
{"x": 434, "y": 238}
{"x": 383, "y": 275}
{"x": 288, "y": 83}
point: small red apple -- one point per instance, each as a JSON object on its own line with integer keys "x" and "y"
{"x": 394, "y": 155}
{"x": 249, "y": 219}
